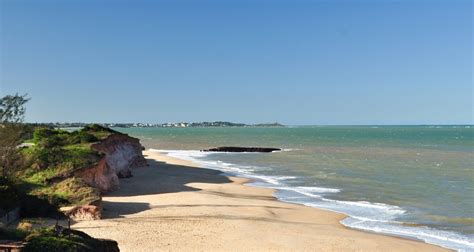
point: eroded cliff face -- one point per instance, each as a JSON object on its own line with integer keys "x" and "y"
{"x": 122, "y": 153}
{"x": 91, "y": 211}
{"x": 100, "y": 176}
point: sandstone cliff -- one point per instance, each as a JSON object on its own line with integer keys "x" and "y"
{"x": 121, "y": 153}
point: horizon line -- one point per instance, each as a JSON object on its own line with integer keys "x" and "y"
{"x": 251, "y": 124}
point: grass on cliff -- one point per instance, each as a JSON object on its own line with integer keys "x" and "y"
{"x": 100, "y": 132}
{"x": 48, "y": 177}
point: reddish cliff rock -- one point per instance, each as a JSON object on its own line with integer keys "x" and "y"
{"x": 122, "y": 153}
{"x": 100, "y": 176}
{"x": 92, "y": 211}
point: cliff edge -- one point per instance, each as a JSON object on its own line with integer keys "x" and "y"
{"x": 122, "y": 153}
{"x": 70, "y": 171}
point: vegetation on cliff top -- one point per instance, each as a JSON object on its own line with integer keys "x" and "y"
{"x": 45, "y": 183}
{"x": 40, "y": 178}
{"x": 44, "y": 179}
{"x": 52, "y": 161}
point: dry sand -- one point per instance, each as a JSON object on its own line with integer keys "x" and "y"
{"x": 173, "y": 205}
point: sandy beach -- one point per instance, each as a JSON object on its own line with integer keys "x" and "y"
{"x": 172, "y": 205}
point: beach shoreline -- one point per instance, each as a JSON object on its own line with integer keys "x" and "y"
{"x": 175, "y": 205}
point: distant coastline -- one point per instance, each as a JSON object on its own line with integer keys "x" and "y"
{"x": 162, "y": 125}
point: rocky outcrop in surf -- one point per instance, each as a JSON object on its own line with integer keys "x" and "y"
{"x": 242, "y": 149}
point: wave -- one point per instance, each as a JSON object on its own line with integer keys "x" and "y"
{"x": 310, "y": 191}
{"x": 289, "y": 149}
{"x": 442, "y": 238}
{"x": 363, "y": 215}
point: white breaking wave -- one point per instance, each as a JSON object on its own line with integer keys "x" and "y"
{"x": 429, "y": 235}
{"x": 364, "y": 215}
{"x": 274, "y": 180}
{"x": 287, "y": 149}
{"x": 319, "y": 189}
{"x": 310, "y": 191}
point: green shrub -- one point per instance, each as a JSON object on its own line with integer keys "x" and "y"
{"x": 48, "y": 182}
{"x": 53, "y": 141}
{"x": 76, "y": 191}
{"x": 41, "y": 133}
{"x": 100, "y": 132}
{"x": 97, "y": 128}
{"x": 49, "y": 156}
{"x": 80, "y": 156}
{"x": 77, "y": 137}
{"x": 50, "y": 138}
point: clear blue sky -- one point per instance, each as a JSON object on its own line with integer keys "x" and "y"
{"x": 295, "y": 62}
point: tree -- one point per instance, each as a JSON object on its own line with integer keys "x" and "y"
{"x": 12, "y": 108}
{"x": 12, "y": 111}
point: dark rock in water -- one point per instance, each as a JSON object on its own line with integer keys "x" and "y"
{"x": 242, "y": 149}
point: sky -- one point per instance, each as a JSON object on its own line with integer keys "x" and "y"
{"x": 294, "y": 62}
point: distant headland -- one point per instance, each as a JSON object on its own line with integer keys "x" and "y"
{"x": 163, "y": 125}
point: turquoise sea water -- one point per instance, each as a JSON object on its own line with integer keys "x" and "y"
{"x": 413, "y": 181}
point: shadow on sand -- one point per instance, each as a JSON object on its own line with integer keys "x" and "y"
{"x": 157, "y": 178}
{"x": 161, "y": 177}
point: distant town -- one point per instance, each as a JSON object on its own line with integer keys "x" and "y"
{"x": 163, "y": 125}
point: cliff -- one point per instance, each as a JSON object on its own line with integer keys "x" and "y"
{"x": 64, "y": 174}
{"x": 121, "y": 153}
{"x": 100, "y": 176}
{"x": 70, "y": 170}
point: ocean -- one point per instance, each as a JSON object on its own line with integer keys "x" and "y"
{"x": 410, "y": 181}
